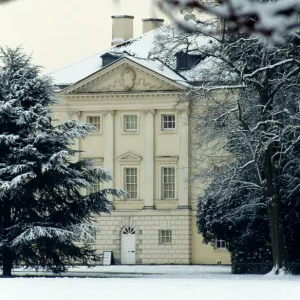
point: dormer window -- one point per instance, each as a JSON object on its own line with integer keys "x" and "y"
{"x": 108, "y": 58}
{"x": 186, "y": 61}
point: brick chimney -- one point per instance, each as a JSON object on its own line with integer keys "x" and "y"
{"x": 122, "y": 29}
{"x": 152, "y": 23}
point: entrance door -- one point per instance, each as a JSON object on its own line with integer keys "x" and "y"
{"x": 128, "y": 246}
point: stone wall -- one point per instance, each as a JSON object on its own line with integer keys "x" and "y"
{"x": 147, "y": 225}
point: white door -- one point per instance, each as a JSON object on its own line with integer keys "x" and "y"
{"x": 128, "y": 246}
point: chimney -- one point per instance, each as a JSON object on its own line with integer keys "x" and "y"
{"x": 122, "y": 29}
{"x": 152, "y": 23}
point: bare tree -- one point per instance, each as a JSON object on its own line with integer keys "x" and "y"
{"x": 249, "y": 98}
{"x": 271, "y": 19}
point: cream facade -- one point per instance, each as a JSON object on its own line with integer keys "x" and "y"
{"x": 143, "y": 139}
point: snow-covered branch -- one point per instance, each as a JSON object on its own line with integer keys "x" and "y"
{"x": 272, "y": 20}
{"x": 268, "y": 67}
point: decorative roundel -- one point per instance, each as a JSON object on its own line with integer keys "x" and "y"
{"x": 128, "y": 79}
{"x": 128, "y": 230}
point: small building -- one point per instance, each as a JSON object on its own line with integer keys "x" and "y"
{"x": 143, "y": 139}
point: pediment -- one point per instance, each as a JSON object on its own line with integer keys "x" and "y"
{"x": 124, "y": 76}
{"x": 129, "y": 157}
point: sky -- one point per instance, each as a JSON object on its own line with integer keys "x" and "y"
{"x": 59, "y": 32}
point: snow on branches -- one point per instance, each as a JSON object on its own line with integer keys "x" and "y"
{"x": 270, "y": 19}
{"x": 46, "y": 218}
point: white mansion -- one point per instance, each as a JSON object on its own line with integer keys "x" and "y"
{"x": 143, "y": 139}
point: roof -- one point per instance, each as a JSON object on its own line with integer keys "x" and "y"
{"x": 138, "y": 50}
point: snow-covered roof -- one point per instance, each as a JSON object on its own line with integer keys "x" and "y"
{"x": 137, "y": 50}
{"x": 75, "y": 72}
{"x": 138, "y": 47}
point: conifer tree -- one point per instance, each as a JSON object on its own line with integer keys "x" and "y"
{"x": 44, "y": 217}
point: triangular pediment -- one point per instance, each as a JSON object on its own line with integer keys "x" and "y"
{"x": 129, "y": 157}
{"x": 124, "y": 76}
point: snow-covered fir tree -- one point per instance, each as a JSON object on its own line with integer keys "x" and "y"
{"x": 44, "y": 217}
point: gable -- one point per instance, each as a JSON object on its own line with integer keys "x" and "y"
{"x": 129, "y": 157}
{"x": 124, "y": 76}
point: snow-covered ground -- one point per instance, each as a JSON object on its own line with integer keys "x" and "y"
{"x": 152, "y": 282}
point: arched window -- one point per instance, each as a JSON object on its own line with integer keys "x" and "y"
{"x": 128, "y": 230}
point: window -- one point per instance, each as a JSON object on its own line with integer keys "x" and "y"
{"x": 130, "y": 123}
{"x": 130, "y": 182}
{"x": 186, "y": 61}
{"x": 220, "y": 244}
{"x": 108, "y": 58}
{"x": 168, "y": 183}
{"x": 165, "y": 236}
{"x": 95, "y": 121}
{"x": 168, "y": 122}
{"x": 95, "y": 187}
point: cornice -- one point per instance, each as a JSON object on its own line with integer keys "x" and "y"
{"x": 118, "y": 104}
{"x": 108, "y": 112}
{"x": 129, "y": 157}
{"x": 74, "y": 113}
{"x": 121, "y": 95}
{"x": 149, "y": 111}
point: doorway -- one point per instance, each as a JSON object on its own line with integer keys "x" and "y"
{"x": 128, "y": 240}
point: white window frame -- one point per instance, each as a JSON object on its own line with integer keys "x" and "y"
{"x": 100, "y": 131}
{"x": 220, "y": 241}
{"x": 98, "y": 161}
{"x": 91, "y": 190}
{"x": 123, "y": 118}
{"x": 163, "y": 168}
{"x": 162, "y": 122}
{"x": 166, "y": 162}
{"x": 163, "y": 235}
{"x": 128, "y": 166}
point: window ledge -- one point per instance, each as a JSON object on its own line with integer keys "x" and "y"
{"x": 130, "y": 132}
{"x": 166, "y": 204}
{"x": 167, "y": 201}
{"x": 128, "y": 204}
{"x": 167, "y": 131}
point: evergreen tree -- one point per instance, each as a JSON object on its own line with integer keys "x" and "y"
{"x": 44, "y": 218}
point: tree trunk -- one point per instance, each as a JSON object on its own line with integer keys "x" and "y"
{"x": 273, "y": 208}
{"x": 7, "y": 262}
{"x": 7, "y": 252}
{"x": 271, "y": 192}
{"x": 276, "y": 237}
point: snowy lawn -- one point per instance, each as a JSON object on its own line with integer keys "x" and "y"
{"x": 153, "y": 282}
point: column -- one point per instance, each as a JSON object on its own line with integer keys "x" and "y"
{"x": 149, "y": 159}
{"x": 183, "y": 168}
{"x": 108, "y": 163}
{"x": 75, "y": 115}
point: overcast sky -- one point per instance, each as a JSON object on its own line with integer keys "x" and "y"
{"x": 58, "y": 32}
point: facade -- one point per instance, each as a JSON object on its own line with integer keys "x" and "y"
{"x": 143, "y": 139}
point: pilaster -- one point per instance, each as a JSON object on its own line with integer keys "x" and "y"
{"x": 183, "y": 170}
{"x": 75, "y": 115}
{"x": 149, "y": 159}
{"x": 108, "y": 163}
